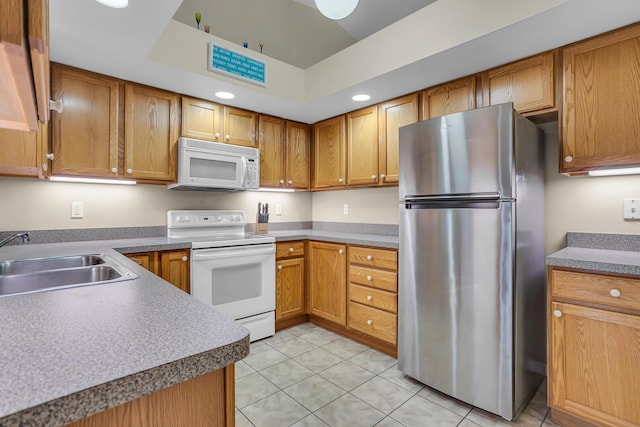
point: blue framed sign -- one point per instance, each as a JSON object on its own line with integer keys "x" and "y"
{"x": 233, "y": 64}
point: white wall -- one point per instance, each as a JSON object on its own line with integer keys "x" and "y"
{"x": 366, "y": 205}
{"x": 28, "y": 204}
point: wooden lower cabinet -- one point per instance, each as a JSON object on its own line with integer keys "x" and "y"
{"x": 290, "y": 284}
{"x": 172, "y": 266}
{"x": 327, "y": 281}
{"x": 594, "y": 350}
{"x": 204, "y": 401}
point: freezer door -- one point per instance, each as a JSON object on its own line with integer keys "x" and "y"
{"x": 455, "y": 312}
{"x": 461, "y": 153}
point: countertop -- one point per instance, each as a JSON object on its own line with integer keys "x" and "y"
{"x": 380, "y": 240}
{"x": 600, "y": 252}
{"x": 69, "y": 353}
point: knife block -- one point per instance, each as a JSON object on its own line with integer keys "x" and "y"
{"x": 261, "y": 227}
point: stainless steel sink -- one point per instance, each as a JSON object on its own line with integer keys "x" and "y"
{"x": 45, "y": 274}
{"x": 41, "y": 264}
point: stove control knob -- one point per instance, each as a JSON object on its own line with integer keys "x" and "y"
{"x": 219, "y": 218}
{"x": 178, "y": 219}
{"x": 186, "y": 219}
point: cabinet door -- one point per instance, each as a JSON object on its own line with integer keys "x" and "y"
{"x": 391, "y": 116}
{"x": 21, "y": 152}
{"x": 84, "y": 137}
{"x": 289, "y": 288}
{"x": 297, "y": 164}
{"x": 448, "y": 98}
{"x": 151, "y": 133}
{"x": 362, "y": 146}
{"x": 271, "y": 138}
{"x": 327, "y": 281}
{"x": 600, "y": 125}
{"x": 329, "y": 152}
{"x": 146, "y": 260}
{"x": 201, "y": 119}
{"x": 174, "y": 268}
{"x": 595, "y": 364}
{"x": 240, "y": 127}
{"x": 529, "y": 84}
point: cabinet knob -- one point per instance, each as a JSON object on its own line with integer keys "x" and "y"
{"x": 369, "y": 278}
{"x": 615, "y": 293}
{"x": 341, "y": 180}
{"x": 373, "y": 177}
{"x": 291, "y": 250}
{"x": 282, "y": 181}
{"x": 557, "y": 313}
{"x": 129, "y": 171}
{"x": 369, "y": 297}
{"x": 217, "y": 136}
{"x": 280, "y": 267}
{"x": 114, "y": 170}
{"x": 185, "y": 258}
{"x": 382, "y": 176}
{"x": 369, "y": 322}
{"x": 341, "y": 251}
{"x": 50, "y": 156}
{"x": 568, "y": 159}
{"x": 290, "y": 182}
{"x": 227, "y": 137}
{"x": 57, "y": 106}
{"x": 369, "y": 257}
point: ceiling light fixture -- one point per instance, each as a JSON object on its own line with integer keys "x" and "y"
{"x": 92, "y": 180}
{"x": 225, "y": 95}
{"x": 118, "y": 4}
{"x": 336, "y": 9}
{"x": 610, "y": 172}
{"x": 361, "y": 97}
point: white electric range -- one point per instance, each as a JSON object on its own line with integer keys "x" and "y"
{"x": 230, "y": 270}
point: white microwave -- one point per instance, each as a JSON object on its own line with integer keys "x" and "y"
{"x": 204, "y": 165}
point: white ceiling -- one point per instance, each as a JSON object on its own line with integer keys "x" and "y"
{"x": 118, "y": 42}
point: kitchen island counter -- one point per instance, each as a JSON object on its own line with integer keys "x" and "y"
{"x": 69, "y": 353}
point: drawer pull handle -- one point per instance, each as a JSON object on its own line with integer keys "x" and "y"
{"x": 369, "y": 278}
{"x": 114, "y": 170}
{"x": 291, "y": 250}
{"x": 373, "y": 177}
{"x": 280, "y": 267}
{"x": 382, "y": 176}
{"x": 227, "y": 137}
{"x": 557, "y": 313}
{"x": 369, "y": 322}
{"x": 369, "y": 257}
{"x": 340, "y": 180}
{"x": 185, "y": 258}
{"x": 615, "y": 293}
{"x": 129, "y": 171}
{"x": 282, "y": 181}
{"x": 369, "y": 297}
{"x": 568, "y": 159}
{"x": 341, "y": 251}
{"x": 290, "y": 182}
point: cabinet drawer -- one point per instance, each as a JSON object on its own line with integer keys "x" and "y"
{"x": 372, "y": 277}
{"x": 289, "y": 249}
{"x": 596, "y": 288}
{"x": 374, "y": 257}
{"x": 383, "y": 300}
{"x": 374, "y": 322}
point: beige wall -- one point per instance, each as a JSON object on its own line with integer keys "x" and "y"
{"x": 366, "y": 205}
{"x": 27, "y": 204}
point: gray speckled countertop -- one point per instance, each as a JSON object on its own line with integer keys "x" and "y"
{"x": 596, "y": 252}
{"x": 69, "y": 353}
{"x": 380, "y": 240}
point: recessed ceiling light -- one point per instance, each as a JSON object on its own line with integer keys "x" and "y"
{"x": 114, "y": 3}
{"x": 225, "y": 95}
{"x": 361, "y": 98}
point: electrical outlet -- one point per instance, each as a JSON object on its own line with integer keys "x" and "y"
{"x": 345, "y": 209}
{"x": 77, "y": 209}
{"x": 631, "y": 209}
{"x": 278, "y": 209}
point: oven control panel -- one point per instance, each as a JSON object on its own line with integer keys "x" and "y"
{"x": 188, "y": 219}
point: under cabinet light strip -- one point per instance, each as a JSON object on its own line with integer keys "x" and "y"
{"x": 92, "y": 180}
{"x": 619, "y": 171}
{"x": 277, "y": 190}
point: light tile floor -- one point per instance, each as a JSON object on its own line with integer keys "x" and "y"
{"x": 306, "y": 376}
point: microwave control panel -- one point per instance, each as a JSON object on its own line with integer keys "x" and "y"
{"x": 253, "y": 173}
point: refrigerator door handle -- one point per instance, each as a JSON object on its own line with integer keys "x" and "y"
{"x": 454, "y": 197}
{"x": 455, "y": 204}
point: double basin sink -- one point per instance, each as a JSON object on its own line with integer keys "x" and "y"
{"x": 45, "y": 274}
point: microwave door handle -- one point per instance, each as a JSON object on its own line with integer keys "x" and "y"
{"x": 244, "y": 172}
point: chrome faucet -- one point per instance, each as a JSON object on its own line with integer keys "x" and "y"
{"x": 25, "y": 238}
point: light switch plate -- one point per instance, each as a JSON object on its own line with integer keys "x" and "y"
{"x": 77, "y": 209}
{"x": 631, "y": 209}
{"x": 278, "y": 209}
{"x": 345, "y": 209}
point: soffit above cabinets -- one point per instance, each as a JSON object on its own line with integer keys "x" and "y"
{"x": 442, "y": 41}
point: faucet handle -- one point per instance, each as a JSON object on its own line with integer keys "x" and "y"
{"x": 26, "y": 237}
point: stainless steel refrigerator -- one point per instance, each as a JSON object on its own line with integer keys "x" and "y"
{"x": 471, "y": 314}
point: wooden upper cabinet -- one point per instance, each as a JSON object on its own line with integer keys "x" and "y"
{"x": 201, "y": 119}
{"x": 84, "y": 137}
{"x": 329, "y": 153}
{"x": 151, "y": 133}
{"x": 600, "y": 126}
{"x": 362, "y": 147}
{"x": 22, "y": 152}
{"x": 271, "y": 139}
{"x": 297, "y": 163}
{"x": 328, "y": 281}
{"x": 453, "y": 97}
{"x": 240, "y": 127}
{"x": 529, "y": 83}
{"x": 392, "y": 115}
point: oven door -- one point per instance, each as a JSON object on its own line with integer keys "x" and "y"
{"x": 208, "y": 168}
{"x": 238, "y": 281}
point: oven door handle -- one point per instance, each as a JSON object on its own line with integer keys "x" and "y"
{"x": 209, "y": 254}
